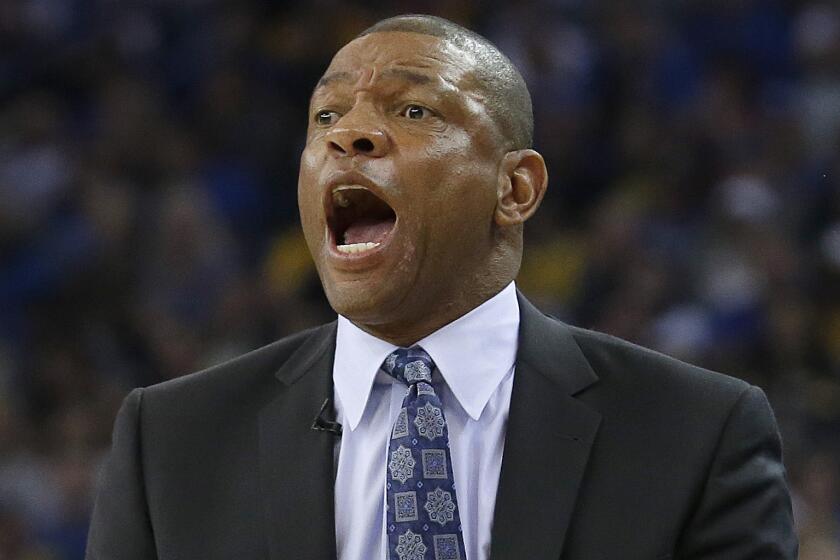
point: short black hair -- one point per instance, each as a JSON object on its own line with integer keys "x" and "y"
{"x": 508, "y": 99}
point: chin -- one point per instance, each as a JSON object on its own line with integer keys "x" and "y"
{"x": 362, "y": 302}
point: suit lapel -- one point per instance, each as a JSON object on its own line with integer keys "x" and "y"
{"x": 547, "y": 444}
{"x": 296, "y": 462}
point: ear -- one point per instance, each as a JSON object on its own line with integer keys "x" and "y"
{"x": 523, "y": 179}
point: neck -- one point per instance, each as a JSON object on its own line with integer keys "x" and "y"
{"x": 407, "y": 333}
{"x": 428, "y": 309}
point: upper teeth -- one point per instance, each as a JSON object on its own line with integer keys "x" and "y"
{"x": 340, "y": 197}
{"x": 357, "y": 247}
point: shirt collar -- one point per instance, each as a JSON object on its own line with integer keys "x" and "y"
{"x": 472, "y": 353}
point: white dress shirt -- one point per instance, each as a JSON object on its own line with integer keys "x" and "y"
{"x": 475, "y": 357}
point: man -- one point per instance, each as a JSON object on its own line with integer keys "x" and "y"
{"x": 441, "y": 416}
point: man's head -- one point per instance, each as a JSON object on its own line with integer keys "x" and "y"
{"x": 505, "y": 93}
{"x": 417, "y": 175}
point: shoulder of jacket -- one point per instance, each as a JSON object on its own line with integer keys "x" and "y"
{"x": 260, "y": 363}
{"x": 615, "y": 359}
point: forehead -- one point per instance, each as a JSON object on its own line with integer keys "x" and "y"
{"x": 412, "y": 57}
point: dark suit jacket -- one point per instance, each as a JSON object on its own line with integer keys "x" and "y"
{"x": 612, "y": 452}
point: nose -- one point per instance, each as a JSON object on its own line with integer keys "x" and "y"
{"x": 357, "y": 140}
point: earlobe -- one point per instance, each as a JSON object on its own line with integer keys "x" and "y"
{"x": 523, "y": 179}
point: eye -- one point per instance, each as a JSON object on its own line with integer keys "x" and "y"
{"x": 326, "y": 117}
{"x": 415, "y": 112}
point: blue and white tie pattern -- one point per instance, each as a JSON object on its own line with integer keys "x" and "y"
{"x": 423, "y": 521}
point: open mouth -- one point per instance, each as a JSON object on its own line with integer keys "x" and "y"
{"x": 358, "y": 219}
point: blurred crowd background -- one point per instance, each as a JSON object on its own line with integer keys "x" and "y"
{"x": 148, "y": 217}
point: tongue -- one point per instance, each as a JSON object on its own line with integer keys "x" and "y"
{"x": 368, "y": 230}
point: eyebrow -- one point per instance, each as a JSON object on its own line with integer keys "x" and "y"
{"x": 413, "y": 77}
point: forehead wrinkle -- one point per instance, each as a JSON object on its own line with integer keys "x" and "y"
{"x": 327, "y": 79}
{"x": 404, "y": 78}
{"x": 408, "y": 75}
{"x": 449, "y": 61}
{"x": 456, "y": 73}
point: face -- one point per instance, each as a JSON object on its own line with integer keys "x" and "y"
{"x": 398, "y": 180}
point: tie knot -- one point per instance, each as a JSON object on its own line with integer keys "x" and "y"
{"x": 409, "y": 365}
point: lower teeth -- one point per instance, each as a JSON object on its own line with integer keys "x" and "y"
{"x": 357, "y": 247}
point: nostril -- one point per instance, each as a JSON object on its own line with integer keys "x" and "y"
{"x": 337, "y": 148}
{"x": 363, "y": 145}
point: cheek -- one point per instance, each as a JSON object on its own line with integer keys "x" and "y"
{"x": 456, "y": 201}
{"x": 308, "y": 166}
{"x": 466, "y": 151}
{"x": 466, "y": 180}
{"x": 309, "y": 202}
{"x": 449, "y": 147}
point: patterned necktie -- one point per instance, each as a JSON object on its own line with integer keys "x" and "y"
{"x": 422, "y": 510}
